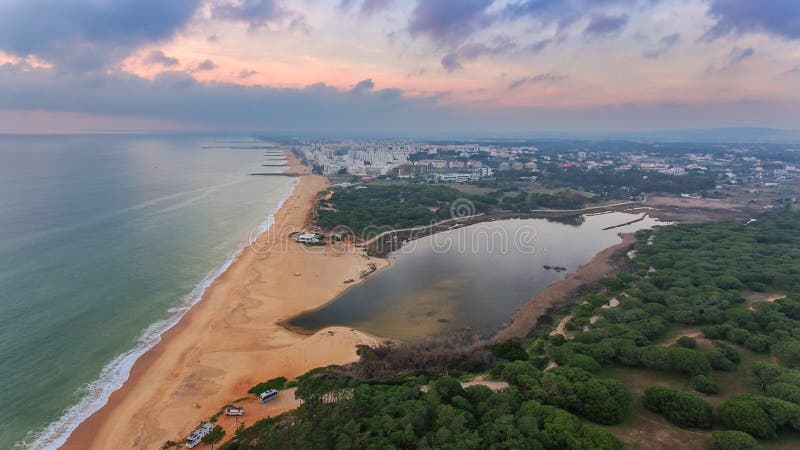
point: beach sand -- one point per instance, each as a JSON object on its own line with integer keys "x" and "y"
{"x": 232, "y": 339}
{"x": 294, "y": 165}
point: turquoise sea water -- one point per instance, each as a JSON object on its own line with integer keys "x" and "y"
{"x": 104, "y": 242}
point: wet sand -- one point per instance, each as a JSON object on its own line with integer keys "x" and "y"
{"x": 232, "y": 339}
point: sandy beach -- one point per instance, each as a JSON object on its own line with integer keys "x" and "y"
{"x": 232, "y": 339}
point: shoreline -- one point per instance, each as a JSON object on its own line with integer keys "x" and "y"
{"x": 554, "y": 294}
{"x": 92, "y": 430}
{"x": 586, "y": 273}
{"x": 230, "y": 339}
{"x": 383, "y": 265}
{"x": 559, "y": 292}
{"x": 116, "y": 372}
{"x": 392, "y": 240}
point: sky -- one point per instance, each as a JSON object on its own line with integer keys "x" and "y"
{"x": 398, "y": 66}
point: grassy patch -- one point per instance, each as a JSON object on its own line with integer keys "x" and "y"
{"x": 646, "y": 430}
{"x": 275, "y": 383}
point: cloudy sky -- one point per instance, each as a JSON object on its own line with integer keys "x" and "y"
{"x": 398, "y": 66}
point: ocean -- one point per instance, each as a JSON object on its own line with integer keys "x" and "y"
{"x": 105, "y": 241}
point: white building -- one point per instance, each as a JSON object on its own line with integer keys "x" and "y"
{"x": 453, "y": 177}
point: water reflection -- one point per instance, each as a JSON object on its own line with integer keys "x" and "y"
{"x": 472, "y": 278}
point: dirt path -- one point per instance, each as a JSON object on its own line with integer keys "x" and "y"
{"x": 496, "y": 386}
{"x": 560, "y": 329}
{"x": 254, "y": 411}
{"x": 693, "y": 335}
{"x": 754, "y": 298}
{"x": 493, "y": 385}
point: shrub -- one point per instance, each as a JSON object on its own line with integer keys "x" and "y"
{"x": 275, "y": 383}
{"x": 788, "y": 352}
{"x": 214, "y": 436}
{"x": 448, "y": 388}
{"x": 738, "y": 335}
{"x": 455, "y": 354}
{"x": 705, "y": 384}
{"x": 584, "y": 362}
{"x": 728, "y": 351}
{"x": 690, "y": 362}
{"x": 758, "y": 343}
{"x": 551, "y": 427}
{"x": 764, "y": 374}
{"x": 729, "y": 282}
{"x": 510, "y": 349}
{"x": 713, "y": 331}
{"x": 656, "y": 357}
{"x": 733, "y": 440}
{"x": 681, "y": 408}
{"x": 687, "y": 342}
{"x": 601, "y": 400}
{"x": 784, "y": 391}
{"x": 743, "y": 414}
{"x": 683, "y": 360}
{"x": 718, "y": 361}
{"x": 545, "y": 319}
{"x": 758, "y": 416}
{"x": 525, "y": 376}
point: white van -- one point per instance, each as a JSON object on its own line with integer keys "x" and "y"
{"x": 197, "y": 435}
{"x": 234, "y": 411}
{"x": 271, "y": 394}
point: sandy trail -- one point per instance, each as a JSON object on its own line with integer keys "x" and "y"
{"x": 254, "y": 411}
{"x": 561, "y": 328}
{"x": 232, "y": 339}
{"x": 693, "y": 334}
{"x": 756, "y": 297}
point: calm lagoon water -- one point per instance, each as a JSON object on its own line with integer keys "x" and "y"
{"x": 104, "y": 242}
{"x": 472, "y": 278}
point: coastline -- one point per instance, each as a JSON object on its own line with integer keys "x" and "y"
{"x": 559, "y": 292}
{"x": 382, "y": 263}
{"x": 231, "y": 338}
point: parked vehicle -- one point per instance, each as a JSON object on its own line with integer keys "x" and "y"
{"x": 234, "y": 411}
{"x": 271, "y": 394}
{"x": 197, "y": 435}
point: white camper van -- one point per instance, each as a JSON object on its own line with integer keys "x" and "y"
{"x": 271, "y": 394}
{"x": 197, "y": 435}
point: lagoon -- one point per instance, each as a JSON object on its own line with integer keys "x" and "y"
{"x": 470, "y": 279}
